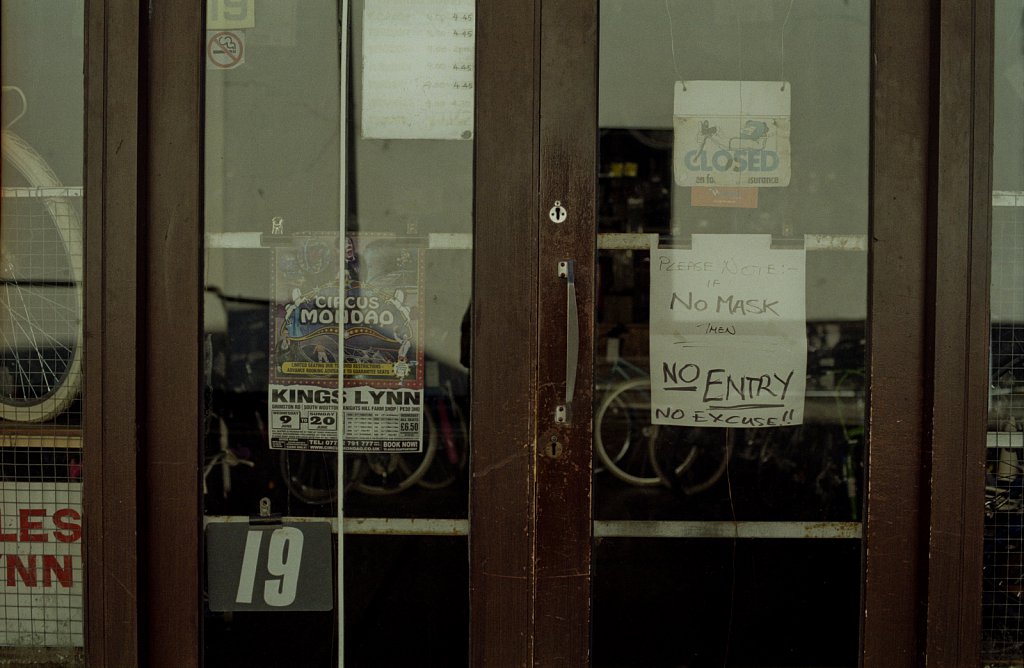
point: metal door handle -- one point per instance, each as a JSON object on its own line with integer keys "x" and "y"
{"x": 572, "y": 338}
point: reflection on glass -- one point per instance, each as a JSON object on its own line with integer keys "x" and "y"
{"x": 41, "y": 344}
{"x": 294, "y": 296}
{"x": 1002, "y": 607}
{"x": 718, "y": 122}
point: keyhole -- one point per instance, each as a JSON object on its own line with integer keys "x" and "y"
{"x": 554, "y": 448}
{"x": 557, "y": 214}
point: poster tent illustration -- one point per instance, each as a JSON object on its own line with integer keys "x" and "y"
{"x": 367, "y": 294}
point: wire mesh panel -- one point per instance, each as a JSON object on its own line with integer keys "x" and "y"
{"x": 1003, "y": 598}
{"x": 41, "y": 567}
{"x": 1003, "y": 593}
{"x": 40, "y": 357}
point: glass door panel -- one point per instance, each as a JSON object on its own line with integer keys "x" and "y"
{"x": 1003, "y": 612}
{"x": 338, "y": 258}
{"x": 41, "y": 325}
{"x": 730, "y": 359}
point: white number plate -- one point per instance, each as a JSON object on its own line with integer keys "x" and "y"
{"x": 269, "y": 567}
{"x": 230, "y": 14}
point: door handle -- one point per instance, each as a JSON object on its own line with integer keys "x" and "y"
{"x": 572, "y": 339}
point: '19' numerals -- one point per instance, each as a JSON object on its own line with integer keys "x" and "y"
{"x": 283, "y": 562}
{"x": 231, "y": 10}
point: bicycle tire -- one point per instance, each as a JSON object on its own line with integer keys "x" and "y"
{"x": 624, "y": 416}
{"x": 40, "y": 367}
{"x": 695, "y": 467}
{"x": 443, "y": 471}
{"x": 310, "y": 475}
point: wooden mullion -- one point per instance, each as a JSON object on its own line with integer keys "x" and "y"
{"x": 504, "y": 320}
{"x": 961, "y": 334}
{"x": 111, "y": 410}
{"x": 568, "y": 164}
{"x": 173, "y": 312}
{"x": 898, "y": 291}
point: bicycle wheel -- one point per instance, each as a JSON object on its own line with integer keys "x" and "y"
{"x": 41, "y": 275}
{"x": 622, "y": 428}
{"x": 453, "y": 446}
{"x": 691, "y": 459}
{"x": 310, "y": 476}
{"x": 392, "y": 472}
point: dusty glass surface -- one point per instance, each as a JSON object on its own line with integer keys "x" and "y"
{"x": 41, "y": 229}
{"x": 730, "y": 361}
{"x": 293, "y": 148}
{"x": 1003, "y": 611}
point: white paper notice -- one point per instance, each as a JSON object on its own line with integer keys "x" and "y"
{"x": 728, "y": 333}
{"x": 732, "y": 133}
{"x": 418, "y": 69}
{"x": 41, "y": 530}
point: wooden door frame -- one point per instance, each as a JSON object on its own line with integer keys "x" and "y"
{"x": 502, "y": 487}
{"x": 898, "y": 269}
{"x": 928, "y": 318}
{"x": 530, "y": 552}
{"x": 113, "y": 318}
{"x": 143, "y": 300}
{"x": 961, "y": 201}
{"x": 171, "y": 490}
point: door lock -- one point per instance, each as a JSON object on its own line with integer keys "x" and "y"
{"x": 558, "y": 213}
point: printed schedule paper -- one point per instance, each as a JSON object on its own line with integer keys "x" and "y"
{"x": 418, "y": 77}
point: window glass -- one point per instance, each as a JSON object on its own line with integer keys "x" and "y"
{"x": 338, "y": 239}
{"x": 729, "y": 410}
{"x": 41, "y": 333}
{"x": 1003, "y": 610}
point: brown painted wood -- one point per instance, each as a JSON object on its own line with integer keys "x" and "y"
{"x": 959, "y": 374}
{"x": 173, "y": 312}
{"x": 112, "y": 369}
{"x": 504, "y": 338}
{"x": 568, "y": 169}
{"x": 898, "y": 294}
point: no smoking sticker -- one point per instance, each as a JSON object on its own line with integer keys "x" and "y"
{"x": 225, "y": 49}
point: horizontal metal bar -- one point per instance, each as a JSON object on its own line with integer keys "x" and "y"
{"x": 616, "y": 241}
{"x": 234, "y": 240}
{"x": 43, "y": 192}
{"x": 720, "y": 529}
{"x": 605, "y": 241}
{"x": 450, "y": 241}
{"x": 49, "y": 441}
{"x": 811, "y": 242}
{"x": 464, "y": 240}
{"x": 253, "y": 240}
{"x": 405, "y": 527}
{"x": 370, "y": 526}
{"x": 390, "y": 526}
{"x": 42, "y": 656}
{"x": 1005, "y": 439}
{"x": 1014, "y": 198}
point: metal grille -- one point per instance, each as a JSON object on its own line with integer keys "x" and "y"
{"x": 41, "y": 578}
{"x": 1003, "y": 594}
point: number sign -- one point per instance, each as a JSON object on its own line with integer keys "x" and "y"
{"x": 230, "y": 14}
{"x": 271, "y": 567}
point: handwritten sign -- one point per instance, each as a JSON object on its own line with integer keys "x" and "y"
{"x": 418, "y": 60}
{"x": 728, "y": 333}
{"x": 732, "y": 133}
